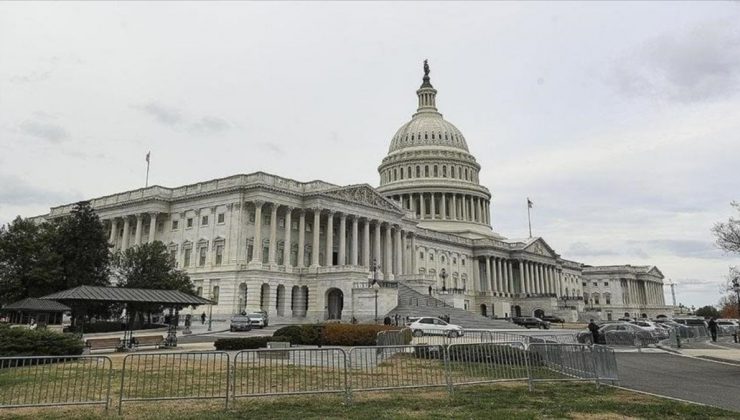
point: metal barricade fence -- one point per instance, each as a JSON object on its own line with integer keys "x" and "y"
{"x": 394, "y": 337}
{"x": 605, "y": 364}
{"x": 375, "y": 368}
{"x": 486, "y": 362}
{"x": 174, "y": 376}
{"x": 36, "y": 381}
{"x": 289, "y": 371}
{"x": 560, "y": 362}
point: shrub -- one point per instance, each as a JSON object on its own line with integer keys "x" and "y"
{"x": 334, "y": 334}
{"x": 25, "y": 342}
{"x": 246, "y": 343}
{"x": 107, "y": 326}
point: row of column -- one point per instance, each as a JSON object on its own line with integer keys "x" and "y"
{"x": 391, "y": 253}
{"x": 655, "y": 293}
{"x": 127, "y": 226}
{"x": 534, "y": 278}
{"x": 447, "y": 206}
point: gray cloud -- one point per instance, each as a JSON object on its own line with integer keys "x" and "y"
{"x": 16, "y": 191}
{"x": 32, "y": 77}
{"x": 161, "y": 113}
{"x": 41, "y": 126}
{"x": 270, "y": 147}
{"x": 694, "y": 66}
{"x": 174, "y": 118}
{"x": 584, "y": 249}
{"x": 681, "y": 247}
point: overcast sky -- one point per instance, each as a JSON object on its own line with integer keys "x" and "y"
{"x": 620, "y": 121}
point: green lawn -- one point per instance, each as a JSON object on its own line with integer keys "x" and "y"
{"x": 509, "y": 401}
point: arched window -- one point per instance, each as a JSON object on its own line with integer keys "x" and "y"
{"x": 426, "y": 171}
{"x": 418, "y": 172}
{"x": 435, "y": 171}
{"x": 395, "y": 174}
{"x": 444, "y": 171}
{"x": 401, "y": 171}
{"x": 408, "y": 172}
{"x": 452, "y": 171}
{"x": 466, "y": 174}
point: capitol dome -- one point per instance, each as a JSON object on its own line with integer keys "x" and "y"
{"x": 430, "y": 172}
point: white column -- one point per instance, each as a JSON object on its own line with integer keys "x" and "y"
{"x": 272, "y": 250}
{"x": 139, "y": 226}
{"x": 152, "y": 226}
{"x": 366, "y": 243}
{"x": 257, "y": 246}
{"x": 113, "y": 231}
{"x": 453, "y": 207}
{"x": 489, "y": 280}
{"x": 127, "y": 232}
{"x": 376, "y": 254}
{"x": 387, "y": 257}
{"x": 355, "y": 239}
{"x": 287, "y": 247}
{"x": 499, "y": 278}
{"x": 422, "y": 205}
{"x": 315, "y": 247}
{"x": 443, "y": 207}
{"x": 301, "y": 239}
{"x": 342, "y": 240}
{"x": 413, "y": 254}
{"x": 433, "y": 206}
{"x": 398, "y": 258}
{"x": 329, "y": 253}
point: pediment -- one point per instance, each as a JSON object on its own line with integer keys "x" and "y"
{"x": 362, "y": 194}
{"x": 540, "y": 247}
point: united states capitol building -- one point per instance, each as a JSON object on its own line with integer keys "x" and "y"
{"x": 309, "y": 251}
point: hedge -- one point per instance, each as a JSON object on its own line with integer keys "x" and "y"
{"x": 333, "y": 334}
{"x": 38, "y": 342}
{"x": 108, "y": 326}
{"x": 246, "y": 343}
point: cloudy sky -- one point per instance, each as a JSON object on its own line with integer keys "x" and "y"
{"x": 620, "y": 121}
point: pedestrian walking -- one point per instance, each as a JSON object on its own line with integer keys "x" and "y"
{"x": 387, "y": 320}
{"x": 594, "y": 331}
{"x": 395, "y": 318}
{"x": 713, "y": 328}
{"x": 203, "y": 318}
{"x": 430, "y": 290}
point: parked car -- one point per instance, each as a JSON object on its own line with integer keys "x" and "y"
{"x": 727, "y": 326}
{"x": 435, "y": 326}
{"x": 624, "y": 333}
{"x": 651, "y": 327}
{"x": 258, "y": 319}
{"x": 552, "y": 319}
{"x": 692, "y": 322}
{"x": 240, "y": 323}
{"x": 531, "y": 322}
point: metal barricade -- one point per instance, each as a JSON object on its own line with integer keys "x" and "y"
{"x": 394, "y": 337}
{"x": 175, "y": 376}
{"x": 605, "y": 364}
{"x": 394, "y": 367}
{"x": 37, "y": 381}
{"x": 289, "y": 371}
{"x": 561, "y": 362}
{"x": 486, "y": 362}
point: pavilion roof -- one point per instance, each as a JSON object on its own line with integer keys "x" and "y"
{"x": 34, "y": 304}
{"x": 126, "y": 295}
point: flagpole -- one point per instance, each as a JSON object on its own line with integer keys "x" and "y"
{"x": 146, "y": 183}
{"x": 529, "y": 216}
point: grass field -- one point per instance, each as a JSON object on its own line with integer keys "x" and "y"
{"x": 509, "y": 401}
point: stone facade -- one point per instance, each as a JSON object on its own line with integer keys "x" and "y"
{"x": 308, "y": 251}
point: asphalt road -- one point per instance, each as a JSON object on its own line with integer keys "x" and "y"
{"x": 681, "y": 377}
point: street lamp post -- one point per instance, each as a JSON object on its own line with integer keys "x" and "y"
{"x": 443, "y": 275}
{"x": 736, "y": 289}
{"x": 376, "y": 287}
{"x": 375, "y": 267}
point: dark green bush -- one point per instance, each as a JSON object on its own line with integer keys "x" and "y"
{"x": 334, "y": 334}
{"x": 39, "y": 342}
{"x": 246, "y": 343}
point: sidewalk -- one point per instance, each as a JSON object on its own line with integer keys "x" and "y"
{"x": 197, "y": 329}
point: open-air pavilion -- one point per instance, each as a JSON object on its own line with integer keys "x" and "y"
{"x": 83, "y": 296}
{"x": 35, "y": 311}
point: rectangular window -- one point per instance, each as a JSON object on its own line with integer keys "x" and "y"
{"x": 266, "y": 219}
{"x": 251, "y": 217}
{"x": 295, "y": 225}
{"x": 202, "y": 256}
{"x": 281, "y": 222}
{"x": 596, "y": 284}
{"x": 173, "y": 255}
{"x": 160, "y": 227}
{"x": 219, "y": 254}
{"x": 204, "y": 221}
{"x": 584, "y": 284}
{"x": 606, "y": 283}
{"x": 186, "y": 258}
{"x": 250, "y": 250}
{"x": 608, "y": 301}
{"x": 214, "y": 295}
{"x": 221, "y": 218}
{"x": 308, "y": 227}
{"x": 190, "y": 222}
{"x": 174, "y": 224}
{"x": 199, "y": 291}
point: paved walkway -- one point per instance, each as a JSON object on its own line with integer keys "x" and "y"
{"x": 677, "y": 376}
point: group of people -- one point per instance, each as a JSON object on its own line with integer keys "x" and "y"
{"x": 392, "y": 321}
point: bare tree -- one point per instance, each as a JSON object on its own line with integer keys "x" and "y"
{"x": 728, "y": 234}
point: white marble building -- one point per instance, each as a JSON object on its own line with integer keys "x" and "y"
{"x": 305, "y": 250}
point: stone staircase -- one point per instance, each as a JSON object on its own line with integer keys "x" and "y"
{"x": 413, "y": 303}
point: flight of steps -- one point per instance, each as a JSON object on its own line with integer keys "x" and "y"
{"x": 413, "y": 303}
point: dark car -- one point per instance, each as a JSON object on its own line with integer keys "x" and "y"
{"x": 552, "y": 319}
{"x": 240, "y": 323}
{"x": 531, "y": 322}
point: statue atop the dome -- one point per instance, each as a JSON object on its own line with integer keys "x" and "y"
{"x": 426, "y": 68}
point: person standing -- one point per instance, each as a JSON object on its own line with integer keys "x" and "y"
{"x": 203, "y": 318}
{"x": 713, "y": 328}
{"x": 594, "y": 331}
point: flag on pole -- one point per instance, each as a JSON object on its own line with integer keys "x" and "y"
{"x": 147, "y": 156}
{"x": 529, "y": 202}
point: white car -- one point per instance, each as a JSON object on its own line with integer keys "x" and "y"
{"x": 727, "y": 326}
{"x": 258, "y": 319}
{"x": 435, "y": 326}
